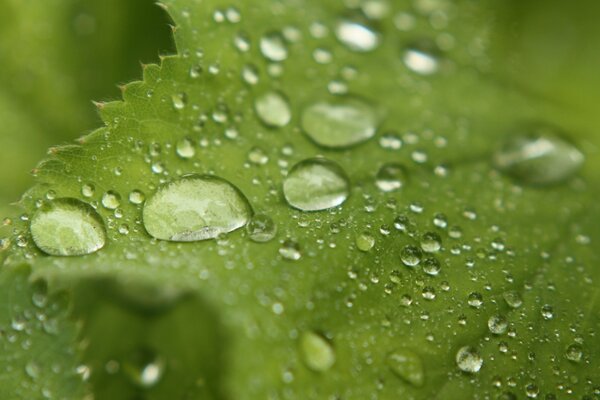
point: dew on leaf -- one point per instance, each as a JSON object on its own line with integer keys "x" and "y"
{"x": 145, "y": 368}
{"x": 547, "y": 311}
{"x": 390, "y": 177}
{"x": 194, "y": 208}
{"x": 431, "y": 266}
{"x": 541, "y": 157}
{"x": 316, "y": 184}
{"x": 250, "y": 74}
{"x": 468, "y": 359}
{"x": 497, "y": 324}
{"x": 261, "y": 228}
{"x": 365, "y": 241}
{"x": 317, "y": 353}
{"x": 512, "y": 298}
{"x": 111, "y": 200}
{"x": 475, "y": 300}
{"x": 339, "y": 123}
{"x": 407, "y": 365}
{"x": 258, "y": 156}
{"x": 290, "y": 250}
{"x": 421, "y": 57}
{"x": 273, "y": 47}
{"x": 574, "y": 353}
{"x": 356, "y": 37}
{"x": 431, "y": 242}
{"x": 88, "y": 190}
{"x": 179, "y": 101}
{"x": 273, "y": 109}
{"x": 411, "y": 255}
{"x": 136, "y": 197}
{"x": 185, "y": 148}
{"x": 68, "y": 227}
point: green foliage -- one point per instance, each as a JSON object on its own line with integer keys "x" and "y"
{"x": 331, "y": 307}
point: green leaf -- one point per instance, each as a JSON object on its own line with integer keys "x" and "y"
{"x": 436, "y": 272}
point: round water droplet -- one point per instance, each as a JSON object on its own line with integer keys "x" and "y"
{"x": 316, "y": 184}
{"x": 422, "y": 57}
{"x": 574, "y": 353}
{"x": 179, "y": 101}
{"x": 111, "y": 200}
{"x": 365, "y": 241}
{"x": 431, "y": 266}
{"x": 68, "y": 227}
{"x": 195, "y": 207}
{"x": 136, "y": 197}
{"x": 258, "y": 156}
{"x": 317, "y": 352}
{"x": 497, "y": 324}
{"x": 431, "y": 242}
{"x": 407, "y": 365}
{"x": 339, "y": 123}
{"x": 411, "y": 256}
{"x": 273, "y": 109}
{"x": 290, "y": 250}
{"x": 547, "y": 311}
{"x": 390, "y": 177}
{"x": 356, "y": 37}
{"x": 475, "y": 300}
{"x": 273, "y": 47}
{"x": 513, "y": 299}
{"x": 541, "y": 157}
{"x": 261, "y": 228}
{"x": 185, "y": 148}
{"x": 145, "y": 368}
{"x": 468, "y": 359}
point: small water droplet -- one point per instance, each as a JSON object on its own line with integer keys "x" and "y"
{"x": 257, "y": 156}
{"x": 111, "y": 200}
{"x": 316, "y": 184}
{"x": 356, "y": 37}
{"x": 513, "y": 299}
{"x": 261, "y": 228}
{"x": 475, "y": 300}
{"x": 365, "y": 241}
{"x": 195, "y": 207}
{"x": 411, "y": 256}
{"x": 88, "y": 190}
{"x": 340, "y": 123}
{"x": 541, "y": 157}
{"x": 179, "y": 101}
{"x": 390, "y": 177}
{"x": 145, "y": 368}
{"x": 431, "y": 266}
{"x": 273, "y": 47}
{"x": 68, "y": 227}
{"x": 317, "y": 353}
{"x": 547, "y": 311}
{"x": 185, "y": 148}
{"x": 422, "y": 57}
{"x": 136, "y": 197}
{"x": 407, "y": 365}
{"x": 574, "y": 353}
{"x": 497, "y": 324}
{"x": 290, "y": 250}
{"x": 273, "y": 109}
{"x": 468, "y": 359}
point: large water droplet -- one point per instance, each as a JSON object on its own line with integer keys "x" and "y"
{"x": 356, "y": 37}
{"x": 317, "y": 352}
{"x": 316, "y": 184}
{"x": 196, "y": 207}
{"x": 68, "y": 227}
{"x": 468, "y": 359}
{"x": 407, "y": 365}
{"x": 339, "y": 123}
{"x": 273, "y": 109}
{"x": 541, "y": 157}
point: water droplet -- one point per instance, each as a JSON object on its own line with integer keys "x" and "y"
{"x": 475, "y": 300}
{"x": 290, "y": 250}
{"x": 365, "y": 241}
{"x": 273, "y": 47}
{"x": 390, "y": 177}
{"x": 468, "y": 359}
{"x": 411, "y": 256}
{"x": 356, "y": 37}
{"x": 273, "y": 109}
{"x": 574, "y": 353}
{"x": 431, "y": 242}
{"x": 547, "y": 311}
{"x": 422, "y": 57}
{"x": 88, "y": 190}
{"x": 145, "y": 368}
{"x": 179, "y": 101}
{"x": 261, "y": 228}
{"x": 68, "y": 227}
{"x": 407, "y": 365}
{"x": 339, "y": 123}
{"x": 111, "y": 200}
{"x": 196, "y": 207}
{"x": 257, "y": 156}
{"x": 185, "y": 148}
{"x": 317, "y": 353}
{"x": 513, "y": 299}
{"x": 541, "y": 157}
{"x": 136, "y": 197}
{"x": 316, "y": 184}
{"x": 497, "y": 324}
{"x": 431, "y": 266}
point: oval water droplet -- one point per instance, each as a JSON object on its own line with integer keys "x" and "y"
{"x": 68, "y": 227}
{"x": 390, "y": 177}
{"x": 273, "y": 109}
{"x": 317, "y": 352}
{"x": 273, "y": 47}
{"x": 540, "y": 157}
{"x": 261, "y": 228}
{"x": 422, "y": 57}
{"x": 195, "y": 207}
{"x": 411, "y": 256}
{"x": 339, "y": 123}
{"x": 316, "y": 184}
{"x": 407, "y": 365}
{"x": 468, "y": 359}
{"x": 356, "y": 37}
